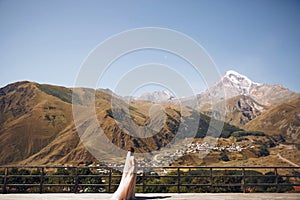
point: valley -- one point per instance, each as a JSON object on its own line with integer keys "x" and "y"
{"x": 261, "y": 128}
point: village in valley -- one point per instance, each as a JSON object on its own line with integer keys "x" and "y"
{"x": 193, "y": 148}
{"x": 167, "y": 158}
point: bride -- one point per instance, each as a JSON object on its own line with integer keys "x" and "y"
{"x": 126, "y": 189}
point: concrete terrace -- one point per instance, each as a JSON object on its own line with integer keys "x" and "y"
{"x": 148, "y": 196}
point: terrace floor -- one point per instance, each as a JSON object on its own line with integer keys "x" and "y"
{"x": 166, "y": 196}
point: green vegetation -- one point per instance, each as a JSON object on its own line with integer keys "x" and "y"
{"x": 263, "y": 151}
{"x": 224, "y": 157}
{"x": 278, "y": 138}
{"x": 228, "y": 130}
{"x": 204, "y": 125}
{"x": 22, "y": 180}
{"x": 62, "y": 93}
{"x": 201, "y": 180}
{"x": 247, "y": 133}
{"x": 68, "y": 177}
{"x": 221, "y": 181}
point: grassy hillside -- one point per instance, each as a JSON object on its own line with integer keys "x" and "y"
{"x": 31, "y": 119}
{"x": 37, "y": 124}
{"x": 283, "y": 120}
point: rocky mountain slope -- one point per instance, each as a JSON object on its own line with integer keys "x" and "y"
{"x": 156, "y": 97}
{"x": 37, "y": 127}
{"x": 32, "y": 119}
{"x": 234, "y": 84}
{"x": 245, "y": 99}
{"x": 239, "y": 110}
{"x": 283, "y": 119}
{"x": 37, "y": 124}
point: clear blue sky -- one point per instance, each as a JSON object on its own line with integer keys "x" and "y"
{"x": 47, "y": 40}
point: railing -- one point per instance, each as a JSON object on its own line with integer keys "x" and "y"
{"x": 41, "y": 179}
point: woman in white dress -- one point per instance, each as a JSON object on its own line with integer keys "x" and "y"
{"x": 126, "y": 189}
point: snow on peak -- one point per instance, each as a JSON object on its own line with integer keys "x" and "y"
{"x": 237, "y": 78}
{"x": 156, "y": 96}
{"x": 168, "y": 93}
{"x": 238, "y": 81}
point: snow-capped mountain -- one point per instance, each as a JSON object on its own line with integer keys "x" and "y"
{"x": 242, "y": 84}
{"x": 244, "y": 99}
{"x": 156, "y": 96}
{"x": 233, "y": 84}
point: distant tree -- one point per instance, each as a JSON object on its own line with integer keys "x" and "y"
{"x": 263, "y": 151}
{"x": 278, "y": 138}
{"x": 224, "y": 157}
{"x": 94, "y": 179}
{"x": 271, "y": 144}
{"x": 20, "y": 180}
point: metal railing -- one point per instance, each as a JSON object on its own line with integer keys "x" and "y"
{"x": 41, "y": 179}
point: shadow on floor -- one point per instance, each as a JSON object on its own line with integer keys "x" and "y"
{"x": 157, "y": 197}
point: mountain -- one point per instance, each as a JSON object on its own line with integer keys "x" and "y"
{"x": 283, "y": 119}
{"x": 245, "y": 100}
{"x": 31, "y": 119}
{"x": 239, "y": 110}
{"x": 156, "y": 96}
{"x": 233, "y": 84}
{"x": 37, "y": 125}
{"x": 237, "y": 84}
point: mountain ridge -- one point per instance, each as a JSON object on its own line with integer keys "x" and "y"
{"x": 37, "y": 125}
{"x": 234, "y": 84}
{"x": 231, "y": 84}
{"x": 239, "y": 110}
{"x": 283, "y": 119}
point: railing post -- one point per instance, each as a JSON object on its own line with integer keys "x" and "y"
{"x": 178, "y": 179}
{"x": 211, "y": 179}
{"x": 143, "y": 178}
{"x": 4, "y": 191}
{"x": 276, "y": 179}
{"x": 76, "y": 180}
{"x": 109, "y": 180}
{"x": 41, "y": 180}
{"x": 243, "y": 180}
{"x": 245, "y": 183}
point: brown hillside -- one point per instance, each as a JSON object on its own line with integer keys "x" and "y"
{"x": 30, "y": 120}
{"x": 283, "y": 119}
{"x": 37, "y": 126}
{"x": 239, "y": 110}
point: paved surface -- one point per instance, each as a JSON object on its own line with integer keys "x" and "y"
{"x": 166, "y": 196}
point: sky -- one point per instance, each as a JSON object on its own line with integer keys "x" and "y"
{"x": 47, "y": 41}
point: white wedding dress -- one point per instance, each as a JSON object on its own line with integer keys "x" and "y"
{"x": 126, "y": 189}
